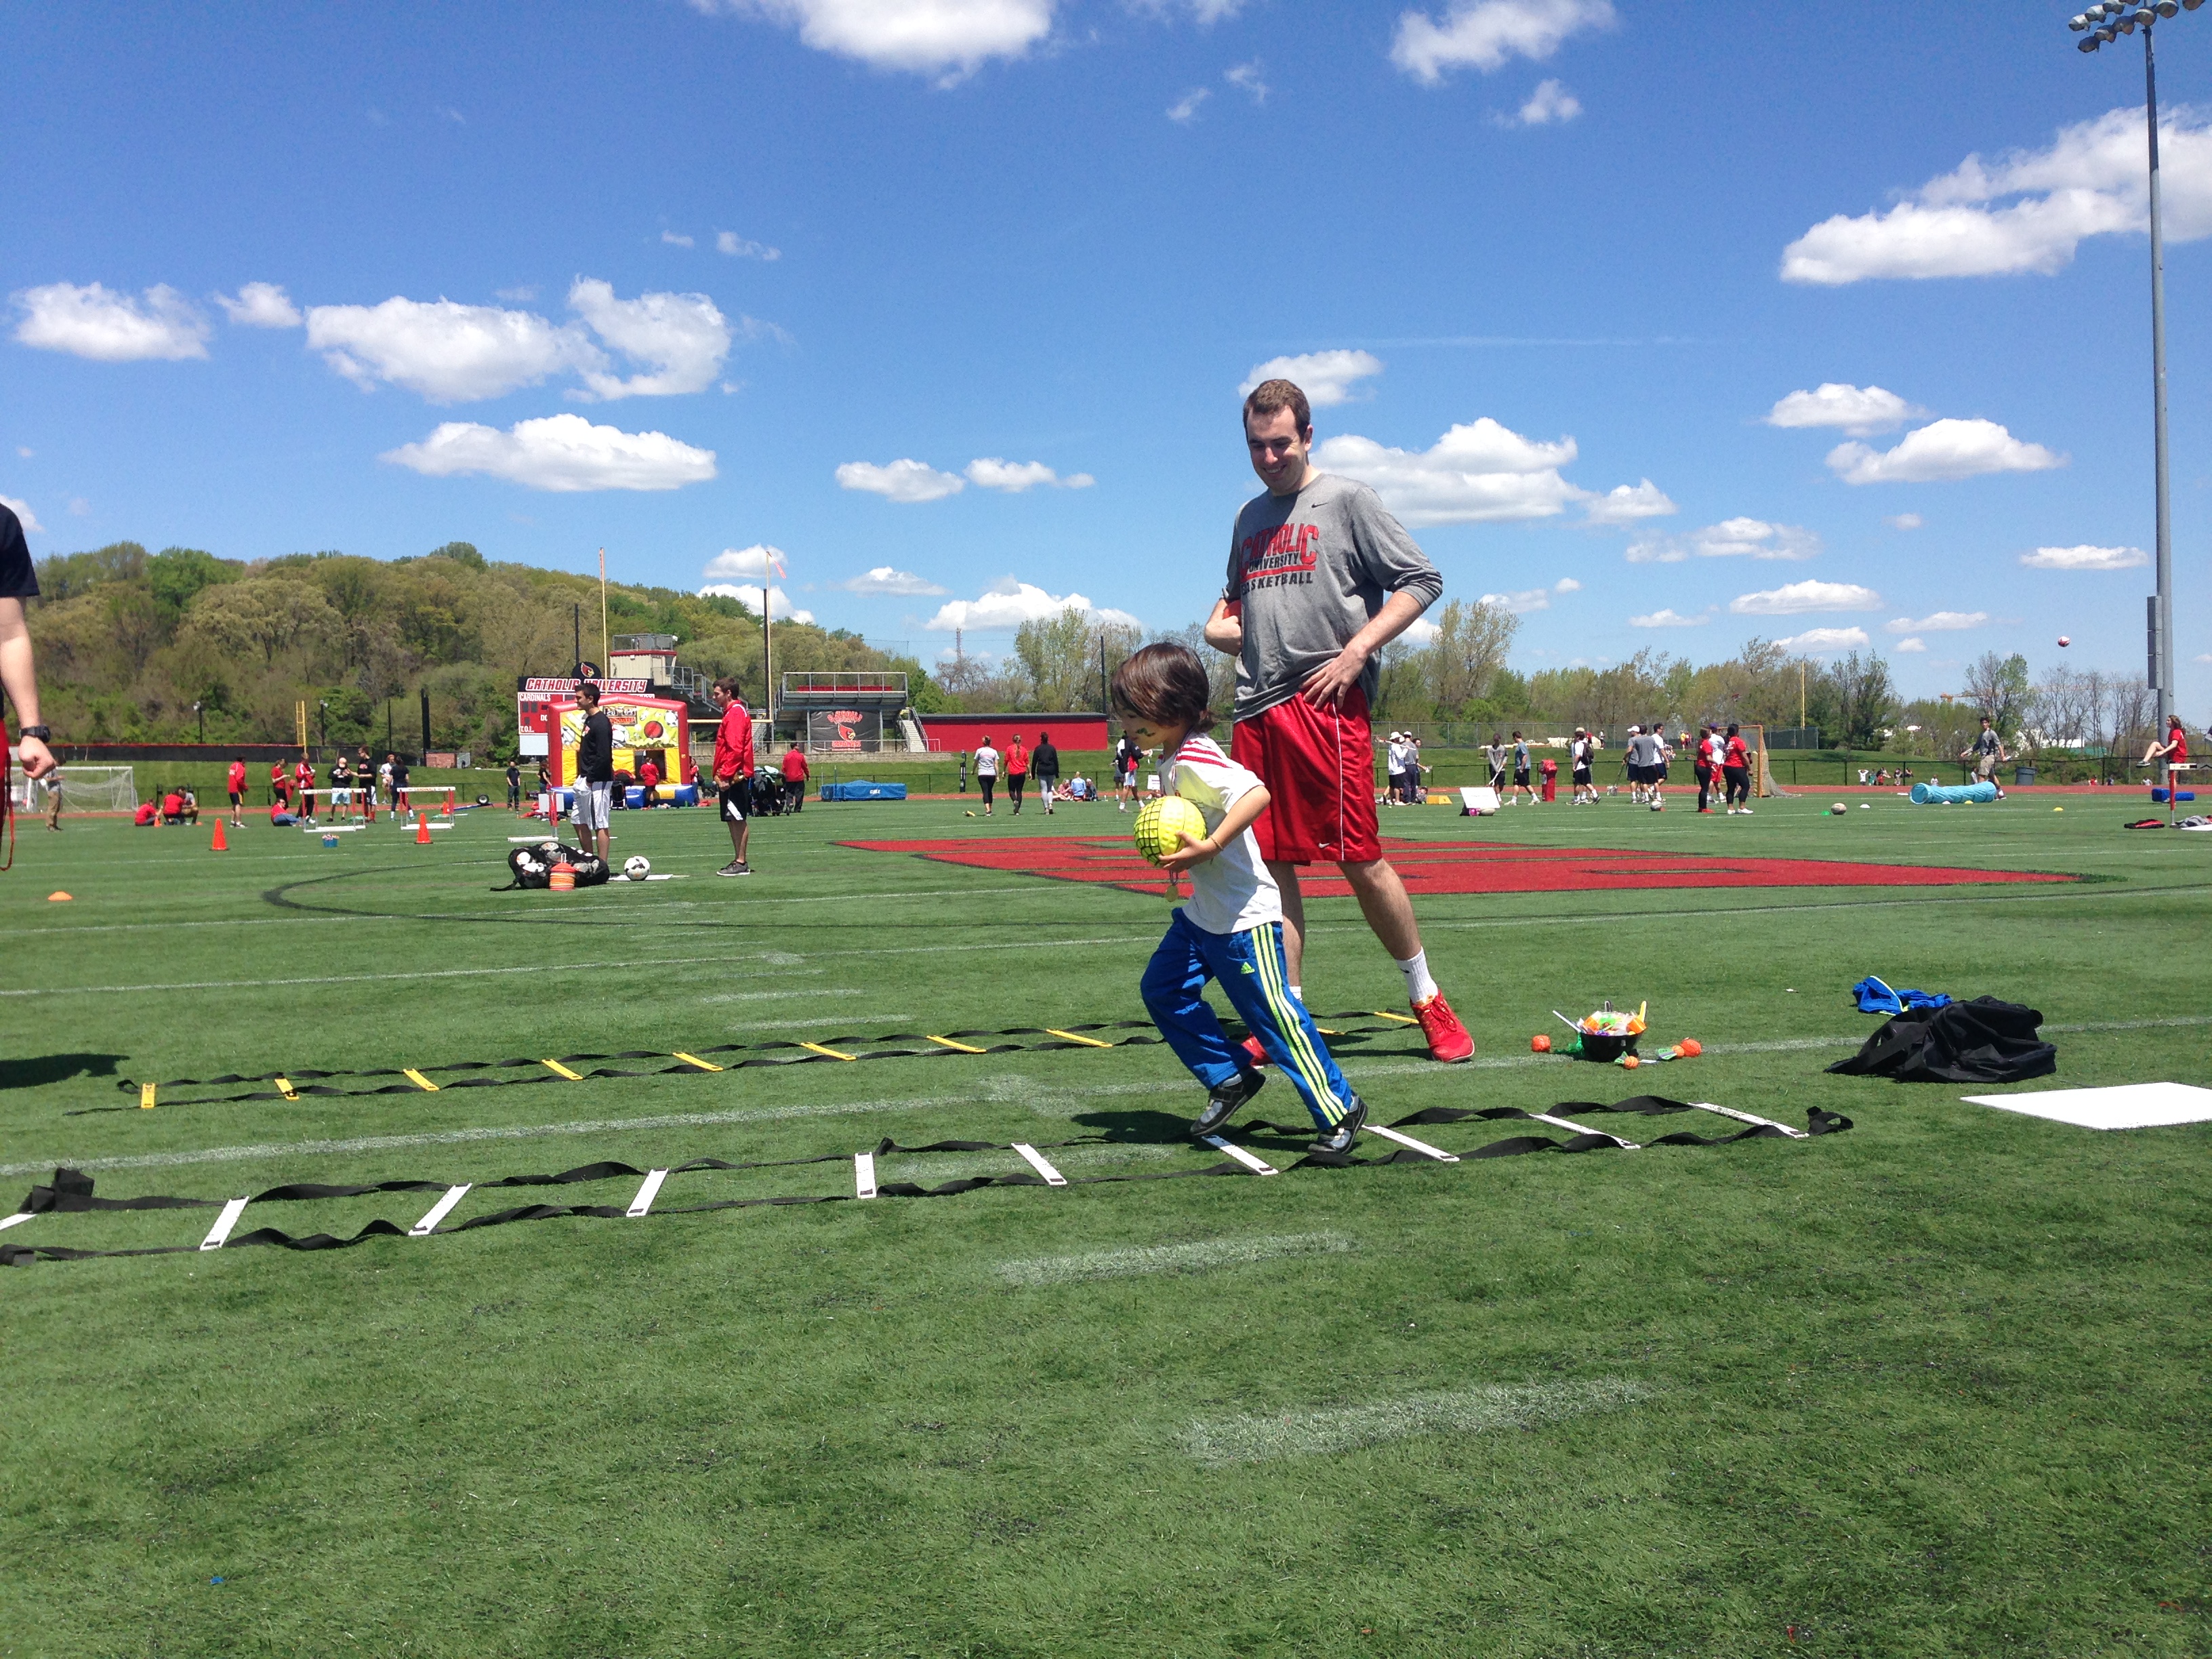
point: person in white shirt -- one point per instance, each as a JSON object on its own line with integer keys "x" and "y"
{"x": 987, "y": 772}
{"x": 1231, "y": 928}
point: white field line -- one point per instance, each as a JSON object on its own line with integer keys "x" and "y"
{"x": 774, "y": 996}
{"x": 939, "y": 1166}
{"x": 809, "y": 1024}
{"x": 549, "y": 967}
{"x": 1200, "y": 1257}
{"x": 1466, "y": 1410}
{"x": 905, "y": 1102}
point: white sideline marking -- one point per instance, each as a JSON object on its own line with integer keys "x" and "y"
{"x": 224, "y": 1223}
{"x": 1199, "y": 1257}
{"x": 1586, "y": 1129}
{"x": 1052, "y": 1176}
{"x": 17, "y": 1219}
{"x": 438, "y": 1212}
{"x": 1237, "y": 1152}
{"x": 1437, "y": 1153}
{"x": 646, "y": 1193}
{"x": 331, "y": 828}
{"x": 358, "y": 979}
{"x": 864, "y": 1174}
{"x": 1748, "y": 1117}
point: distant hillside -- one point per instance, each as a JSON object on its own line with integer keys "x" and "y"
{"x": 128, "y": 641}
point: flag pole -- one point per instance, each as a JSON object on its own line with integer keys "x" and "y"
{"x": 603, "y": 611}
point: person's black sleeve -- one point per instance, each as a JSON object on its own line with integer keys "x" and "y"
{"x": 18, "y": 580}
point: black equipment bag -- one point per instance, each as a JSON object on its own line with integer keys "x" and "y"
{"x": 1984, "y": 1041}
{"x": 532, "y": 867}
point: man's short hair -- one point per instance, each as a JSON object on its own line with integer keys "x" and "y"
{"x": 728, "y": 685}
{"x": 588, "y": 693}
{"x": 1166, "y": 685}
{"x": 1271, "y": 397}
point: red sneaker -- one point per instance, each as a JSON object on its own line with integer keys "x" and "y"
{"x": 1448, "y": 1043}
{"x": 1255, "y": 1054}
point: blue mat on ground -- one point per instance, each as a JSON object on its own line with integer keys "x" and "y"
{"x": 861, "y": 790}
{"x": 1946, "y": 794}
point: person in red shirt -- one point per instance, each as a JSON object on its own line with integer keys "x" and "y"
{"x": 177, "y": 807}
{"x": 235, "y": 781}
{"x": 2173, "y": 752}
{"x": 733, "y": 772}
{"x": 1735, "y": 771}
{"x": 303, "y": 780}
{"x": 648, "y": 780}
{"x": 1018, "y": 772}
{"x": 280, "y": 786}
{"x": 794, "y": 778}
{"x": 147, "y": 813}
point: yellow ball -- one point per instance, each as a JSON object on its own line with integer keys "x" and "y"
{"x": 1162, "y": 823}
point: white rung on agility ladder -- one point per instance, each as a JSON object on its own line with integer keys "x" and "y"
{"x": 224, "y": 1223}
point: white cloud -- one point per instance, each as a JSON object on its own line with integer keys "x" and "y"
{"x": 1481, "y": 472}
{"x": 1566, "y": 585}
{"x": 1860, "y": 410}
{"x": 1185, "y": 108}
{"x": 260, "y": 305}
{"x": 739, "y": 247}
{"x": 1627, "y": 503}
{"x": 1487, "y": 34}
{"x": 749, "y": 593}
{"x": 561, "y": 453}
{"x": 885, "y": 579}
{"x": 733, "y": 563}
{"x": 446, "y": 352}
{"x": 1419, "y": 631}
{"x": 1911, "y": 645}
{"x": 109, "y": 328}
{"x": 989, "y": 472}
{"x": 1795, "y": 598}
{"x": 2086, "y": 558}
{"x": 22, "y": 510}
{"x": 947, "y": 40}
{"x": 1904, "y": 521}
{"x": 1008, "y": 604}
{"x": 1326, "y": 377}
{"x": 2026, "y": 212}
{"x": 1670, "y": 619}
{"x": 681, "y": 337}
{"x": 1941, "y": 451}
{"x": 1551, "y": 102}
{"x": 1942, "y": 622}
{"x": 1524, "y": 602}
{"x": 1207, "y": 13}
{"x": 1815, "y": 640}
{"x": 674, "y": 239}
{"x": 1250, "y": 79}
{"x": 907, "y": 481}
{"x": 1731, "y": 538}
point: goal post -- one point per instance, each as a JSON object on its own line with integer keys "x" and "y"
{"x": 1767, "y": 786}
{"x": 84, "y": 789}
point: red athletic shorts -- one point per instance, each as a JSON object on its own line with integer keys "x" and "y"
{"x": 1319, "y": 768}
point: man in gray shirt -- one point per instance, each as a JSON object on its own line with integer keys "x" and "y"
{"x": 1645, "y": 766}
{"x": 1320, "y": 578}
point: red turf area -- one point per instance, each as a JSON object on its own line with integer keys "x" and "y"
{"x": 1482, "y": 867}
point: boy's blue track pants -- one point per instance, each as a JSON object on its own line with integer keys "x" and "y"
{"x": 1252, "y": 971}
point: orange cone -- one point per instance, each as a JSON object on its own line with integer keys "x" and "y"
{"x": 422, "y": 830}
{"x": 221, "y": 845}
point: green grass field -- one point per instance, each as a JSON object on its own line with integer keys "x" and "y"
{"x": 1933, "y": 1387}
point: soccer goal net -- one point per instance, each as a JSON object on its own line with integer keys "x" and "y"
{"x": 84, "y": 789}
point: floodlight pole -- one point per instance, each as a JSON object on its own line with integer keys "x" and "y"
{"x": 2161, "y": 664}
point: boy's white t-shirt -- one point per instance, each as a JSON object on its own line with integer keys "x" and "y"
{"x": 1232, "y": 891}
{"x": 986, "y": 762}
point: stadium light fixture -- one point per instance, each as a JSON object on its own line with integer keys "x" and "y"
{"x": 2123, "y": 19}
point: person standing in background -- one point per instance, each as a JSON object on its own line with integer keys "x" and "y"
{"x": 987, "y": 771}
{"x": 1521, "y": 772}
{"x": 514, "y": 786}
{"x": 1736, "y": 768}
{"x": 1018, "y": 772}
{"x": 1045, "y": 762}
{"x": 235, "y": 781}
{"x": 794, "y": 778}
{"x": 1125, "y": 756}
{"x": 303, "y": 784}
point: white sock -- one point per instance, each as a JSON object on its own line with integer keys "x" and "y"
{"x": 1420, "y": 987}
{"x": 1298, "y": 993}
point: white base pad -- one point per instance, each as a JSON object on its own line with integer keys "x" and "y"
{"x": 2128, "y": 1106}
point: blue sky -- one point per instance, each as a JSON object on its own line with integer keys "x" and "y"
{"x": 965, "y": 291}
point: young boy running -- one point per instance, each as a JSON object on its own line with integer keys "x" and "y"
{"x": 1231, "y": 930}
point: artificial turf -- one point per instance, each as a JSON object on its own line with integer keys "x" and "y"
{"x": 1931, "y": 1387}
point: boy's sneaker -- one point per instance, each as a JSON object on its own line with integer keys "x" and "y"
{"x": 1225, "y": 1102}
{"x": 1339, "y": 1139}
{"x": 1448, "y": 1043}
{"x": 735, "y": 868}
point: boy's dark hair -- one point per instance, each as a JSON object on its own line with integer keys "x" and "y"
{"x": 588, "y": 693}
{"x": 727, "y": 685}
{"x": 1271, "y": 397}
{"x": 1165, "y": 684}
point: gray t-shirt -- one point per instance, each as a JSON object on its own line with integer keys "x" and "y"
{"x": 1643, "y": 749}
{"x": 1310, "y": 571}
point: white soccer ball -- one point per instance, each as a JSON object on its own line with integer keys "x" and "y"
{"x": 1657, "y": 806}
{"x": 1840, "y": 807}
{"x": 637, "y": 866}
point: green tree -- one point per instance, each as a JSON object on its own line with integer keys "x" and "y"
{"x": 176, "y": 575}
{"x": 1999, "y": 686}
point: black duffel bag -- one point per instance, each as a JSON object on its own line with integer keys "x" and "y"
{"x": 1984, "y": 1041}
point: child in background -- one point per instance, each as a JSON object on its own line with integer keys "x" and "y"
{"x": 1231, "y": 930}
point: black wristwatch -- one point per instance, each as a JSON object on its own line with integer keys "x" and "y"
{"x": 43, "y": 733}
